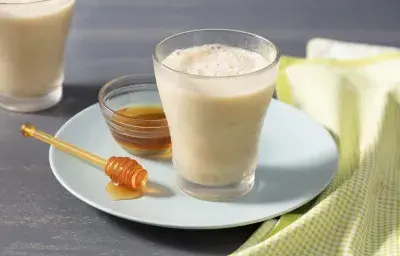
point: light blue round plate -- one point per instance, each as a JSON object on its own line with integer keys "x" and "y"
{"x": 297, "y": 160}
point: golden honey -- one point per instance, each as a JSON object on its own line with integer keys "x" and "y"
{"x": 142, "y": 130}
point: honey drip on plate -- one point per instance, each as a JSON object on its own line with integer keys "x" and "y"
{"x": 146, "y": 134}
{"x": 122, "y": 193}
{"x": 151, "y": 189}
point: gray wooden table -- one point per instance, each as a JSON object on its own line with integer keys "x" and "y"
{"x": 112, "y": 38}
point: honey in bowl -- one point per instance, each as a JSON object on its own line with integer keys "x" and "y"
{"x": 142, "y": 130}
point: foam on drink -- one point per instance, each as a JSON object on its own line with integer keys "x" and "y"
{"x": 215, "y": 60}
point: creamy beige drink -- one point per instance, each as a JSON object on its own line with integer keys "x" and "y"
{"x": 32, "y": 41}
{"x": 215, "y": 126}
{"x": 215, "y": 98}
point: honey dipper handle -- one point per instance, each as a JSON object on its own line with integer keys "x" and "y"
{"x": 29, "y": 130}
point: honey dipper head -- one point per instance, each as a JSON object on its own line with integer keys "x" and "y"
{"x": 27, "y": 129}
{"x": 127, "y": 172}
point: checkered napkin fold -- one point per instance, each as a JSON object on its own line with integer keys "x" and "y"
{"x": 358, "y": 101}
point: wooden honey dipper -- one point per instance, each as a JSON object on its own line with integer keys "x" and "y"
{"x": 123, "y": 171}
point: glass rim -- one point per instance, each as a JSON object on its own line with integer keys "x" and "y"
{"x": 2, "y": 2}
{"x": 268, "y": 67}
{"x": 104, "y": 105}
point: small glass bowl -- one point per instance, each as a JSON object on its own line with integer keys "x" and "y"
{"x": 131, "y": 106}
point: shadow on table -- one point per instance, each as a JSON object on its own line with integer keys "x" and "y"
{"x": 75, "y": 99}
{"x": 213, "y": 242}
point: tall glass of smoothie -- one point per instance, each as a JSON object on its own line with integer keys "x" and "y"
{"x": 215, "y": 87}
{"x": 33, "y": 35}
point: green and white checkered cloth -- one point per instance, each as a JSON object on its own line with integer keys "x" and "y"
{"x": 358, "y": 101}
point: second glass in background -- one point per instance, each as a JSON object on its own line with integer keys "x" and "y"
{"x": 33, "y": 35}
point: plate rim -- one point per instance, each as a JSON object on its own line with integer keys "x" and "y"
{"x": 178, "y": 226}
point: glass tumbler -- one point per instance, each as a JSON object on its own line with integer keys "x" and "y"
{"x": 215, "y": 122}
{"x": 33, "y": 35}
